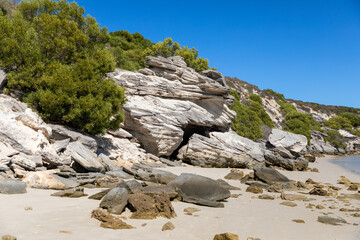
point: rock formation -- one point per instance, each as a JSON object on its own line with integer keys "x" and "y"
{"x": 169, "y": 101}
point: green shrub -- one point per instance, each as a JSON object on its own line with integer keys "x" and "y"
{"x": 276, "y": 95}
{"x": 338, "y": 122}
{"x": 249, "y": 117}
{"x": 169, "y": 48}
{"x": 255, "y": 98}
{"x": 57, "y": 58}
{"x": 335, "y": 139}
{"x": 128, "y": 49}
{"x": 297, "y": 122}
{"x": 353, "y": 118}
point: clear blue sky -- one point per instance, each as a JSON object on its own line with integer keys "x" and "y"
{"x": 308, "y": 50}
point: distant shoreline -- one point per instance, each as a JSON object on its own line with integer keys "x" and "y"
{"x": 348, "y": 162}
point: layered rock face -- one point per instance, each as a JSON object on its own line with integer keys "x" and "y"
{"x": 28, "y": 144}
{"x": 222, "y": 150}
{"x": 168, "y": 100}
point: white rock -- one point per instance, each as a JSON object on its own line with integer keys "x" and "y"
{"x": 222, "y": 150}
{"x": 85, "y": 157}
{"x": 21, "y": 128}
{"x": 290, "y": 141}
{"x": 160, "y": 106}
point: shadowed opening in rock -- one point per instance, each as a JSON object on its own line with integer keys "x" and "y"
{"x": 190, "y": 130}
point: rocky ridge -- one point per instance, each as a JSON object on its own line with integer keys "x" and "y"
{"x": 319, "y": 112}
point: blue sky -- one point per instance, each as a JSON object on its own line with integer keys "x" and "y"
{"x": 308, "y": 50}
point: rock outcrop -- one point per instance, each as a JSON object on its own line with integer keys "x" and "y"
{"x": 169, "y": 101}
{"x": 29, "y": 147}
{"x": 222, "y": 150}
{"x": 290, "y": 141}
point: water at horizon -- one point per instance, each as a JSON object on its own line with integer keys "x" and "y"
{"x": 349, "y": 162}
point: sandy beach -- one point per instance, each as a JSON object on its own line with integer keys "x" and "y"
{"x": 247, "y": 216}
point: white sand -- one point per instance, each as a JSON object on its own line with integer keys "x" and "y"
{"x": 246, "y": 216}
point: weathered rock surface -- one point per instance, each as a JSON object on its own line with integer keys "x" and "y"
{"x": 222, "y": 150}
{"x": 331, "y": 220}
{"x": 109, "y": 221}
{"x": 145, "y": 173}
{"x": 318, "y": 144}
{"x": 48, "y": 180}
{"x": 293, "y": 197}
{"x": 199, "y": 187}
{"x": 254, "y": 189}
{"x": 10, "y": 186}
{"x": 235, "y": 174}
{"x": 168, "y": 99}
{"x": 270, "y": 175}
{"x": 226, "y": 236}
{"x": 60, "y": 132}
{"x": 168, "y": 226}
{"x": 299, "y": 163}
{"x": 156, "y": 190}
{"x": 21, "y": 128}
{"x": 290, "y": 141}
{"x": 150, "y": 207}
{"x": 85, "y": 157}
{"x": 115, "y": 200}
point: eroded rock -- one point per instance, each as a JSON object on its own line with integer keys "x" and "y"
{"x": 150, "y": 207}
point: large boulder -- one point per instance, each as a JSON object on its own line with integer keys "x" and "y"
{"x": 22, "y": 129}
{"x": 10, "y": 186}
{"x": 150, "y": 207}
{"x": 199, "y": 187}
{"x": 222, "y": 150}
{"x": 318, "y": 144}
{"x": 290, "y": 141}
{"x": 115, "y": 200}
{"x": 270, "y": 175}
{"x": 48, "y": 180}
{"x": 169, "y": 99}
{"x": 299, "y": 163}
{"x": 146, "y": 173}
{"x": 60, "y": 132}
{"x": 85, "y": 157}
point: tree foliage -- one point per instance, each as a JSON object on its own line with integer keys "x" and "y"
{"x": 249, "y": 116}
{"x": 128, "y": 49}
{"x": 57, "y": 58}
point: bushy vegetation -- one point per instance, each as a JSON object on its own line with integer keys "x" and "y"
{"x": 169, "y": 48}
{"x": 276, "y": 95}
{"x": 249, "y": 116}
{"x": 353, "y": 118}
{"x": 7, "y": 7}
{"x": 297, "y": 122}
{"x": 57, "y": 58}
{"x": 347, "y": 121}
{"x": 130, "y": 51}
{"x": 335, "y": 138}
{"x": 338, "y": 122}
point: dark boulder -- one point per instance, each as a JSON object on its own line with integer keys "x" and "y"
{"x": 270, "y": 175}
{"x": 191, "y": 185}
{"x": 115, "y": 200}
